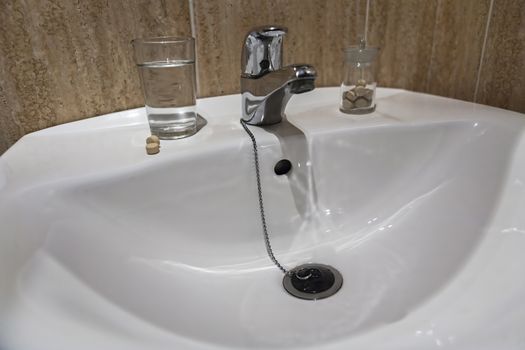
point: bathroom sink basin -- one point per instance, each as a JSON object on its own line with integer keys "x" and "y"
{"x": 418, "y": 205}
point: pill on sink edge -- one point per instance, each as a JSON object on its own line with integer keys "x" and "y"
{"x": 152, "y": 148}
{"x": 153, "y": 139}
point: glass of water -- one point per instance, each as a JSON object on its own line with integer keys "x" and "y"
{"x": 166, "y": 67}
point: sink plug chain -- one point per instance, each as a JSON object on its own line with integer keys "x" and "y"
{"x": 261, "y": 204}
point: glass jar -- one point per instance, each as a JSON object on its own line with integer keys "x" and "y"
{"x": 358, "y": 88}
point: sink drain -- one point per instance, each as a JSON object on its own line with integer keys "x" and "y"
{"x": 312, "y": 281}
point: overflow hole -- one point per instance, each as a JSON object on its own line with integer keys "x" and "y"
{"x": 282, "y": 167}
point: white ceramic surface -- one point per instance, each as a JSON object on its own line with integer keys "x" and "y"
{"x": 419, "y": 205}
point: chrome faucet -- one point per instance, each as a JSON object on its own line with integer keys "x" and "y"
{"x": 266, "y": 87}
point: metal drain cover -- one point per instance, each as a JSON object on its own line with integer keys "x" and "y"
{"x": 312, "y": 281}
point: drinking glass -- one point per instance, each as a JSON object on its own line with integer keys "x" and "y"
{"x": 166, "y": 67}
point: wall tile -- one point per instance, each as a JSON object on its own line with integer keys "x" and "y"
{"x": 458, "y": 40}
{"x": 64, "y": 60}
{"x": 403, "y": 29}
{"x": 318, "y": 31}
{"x": 502, "y": 81}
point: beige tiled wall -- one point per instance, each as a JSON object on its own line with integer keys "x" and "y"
{"x": 63, "y": 60}
{"x": 401, "y": 29}
{"x": 317, "y": 32}
{"x": 502, "y": 74}
{"x": 456, "y": 51}
{"x": 66, "y": 60}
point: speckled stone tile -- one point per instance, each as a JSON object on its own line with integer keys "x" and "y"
{"x": 403, "y": 29}
{"x": 66, "y": 60}
{"x": 502, "y": 81}
{"x": 458, "y": 40}
{"x": 317, "y": 32}
{"x": 62, "y": 60}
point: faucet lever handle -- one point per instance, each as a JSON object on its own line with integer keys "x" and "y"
{"x": 262, "y": 51}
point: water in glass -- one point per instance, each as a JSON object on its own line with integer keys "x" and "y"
{"x": 169, "y": 90}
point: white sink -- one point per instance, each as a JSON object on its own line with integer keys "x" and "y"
{"x": 418, "y": 205}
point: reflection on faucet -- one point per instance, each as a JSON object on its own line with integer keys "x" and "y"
{"x": 266, "y": 87}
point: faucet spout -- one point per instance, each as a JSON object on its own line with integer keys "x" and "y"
{"x": 266, "y": 87}
{"x": 264, "y": 99}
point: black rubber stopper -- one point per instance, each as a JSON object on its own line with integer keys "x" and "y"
{"x": 313, "y": 280}
{"x": 282, "y": 167}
